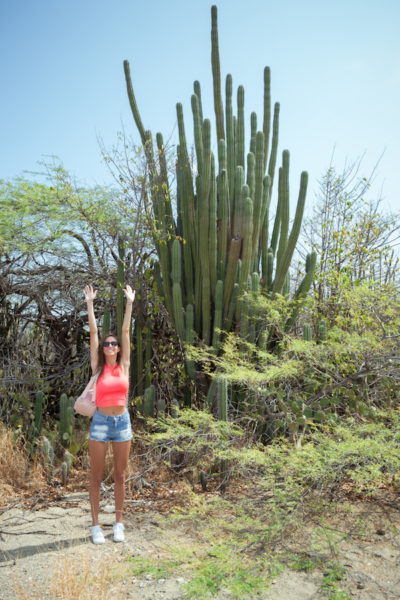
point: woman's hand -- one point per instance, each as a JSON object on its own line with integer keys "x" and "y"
{"x": 90, "y": 293}
{"x": 129, "y": 294}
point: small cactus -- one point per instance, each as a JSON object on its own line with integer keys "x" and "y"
{"x": 307, "y": 333}
{"x": 48, "y": 452}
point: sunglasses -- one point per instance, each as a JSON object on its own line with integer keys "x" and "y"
{"x": 105, "y": 344}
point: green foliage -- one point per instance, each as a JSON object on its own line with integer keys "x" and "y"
{"x": 354, "y": 371}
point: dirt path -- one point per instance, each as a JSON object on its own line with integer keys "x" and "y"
{"x": 39, "y": 546}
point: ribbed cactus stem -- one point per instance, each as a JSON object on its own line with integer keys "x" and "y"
{"x": 230, "y": 140}
{"x": 232, "y": 307}
{"x": 283, "y": 199}
{"x": 197, "y": 91}
{"x": 240, "y": 127}
{"x": 267, "y": 113}
{"x": 323, "y": 331}
{"x": 239, "y": 182}
{"x": 251, "y": 173}
{"x": 244, "y": 317}
{"x": 223, "y": 223}
{"x": 247, "y": 233}
{"x": 63, "y": 423}
{"x": 219, "y": 295}
{"x": 233, "y": 257}
{"x": 274, "y": 143}
{"x": 176, "y": 288}
{"x": 307, "y": 333}
{"x": 258, "y": 192}
{"x": 132, "y": 102}
{"x": 294, "y": 234}
{"x": 216, "y": 71}
{"x": 253, "y": 132}
{"x": 302, "y": 290}
{"x": 198, "y": 134}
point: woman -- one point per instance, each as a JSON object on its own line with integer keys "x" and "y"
{"x": 111, "y": 421}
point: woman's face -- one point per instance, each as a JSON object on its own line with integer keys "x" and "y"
{"x": 110, "y": 347}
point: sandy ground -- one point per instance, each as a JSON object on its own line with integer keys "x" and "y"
{"x": 35, "y": 543}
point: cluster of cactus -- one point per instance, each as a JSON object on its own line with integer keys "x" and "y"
{"x": 219, "y": 246}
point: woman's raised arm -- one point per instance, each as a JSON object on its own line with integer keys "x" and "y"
{"x": 90, "y": 295}
{"x": 125, "y": 333}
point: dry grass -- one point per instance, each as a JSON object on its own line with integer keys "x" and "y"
{"x": 16, "y": 470}
{"x": 77, "y": 576}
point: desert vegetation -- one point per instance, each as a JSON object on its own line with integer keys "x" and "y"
{"x": 265, "y": 364}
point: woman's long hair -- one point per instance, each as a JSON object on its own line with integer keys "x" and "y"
{"x": 101, "y": 361}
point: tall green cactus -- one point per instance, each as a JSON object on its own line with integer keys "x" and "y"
{"x": 66, "y": 422}
{"x": 220, "y": 235}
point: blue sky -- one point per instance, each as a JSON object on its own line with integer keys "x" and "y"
{"x": 335, "y": 71}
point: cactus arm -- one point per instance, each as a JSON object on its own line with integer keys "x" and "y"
{"x": 274, "y": 143}
{"x": 253, "y": 132}
{"x": 302, "y": 291}
{"x": 267, "y": 113}
{"x": 294, "y": 234}
{"x": 230, "y": 140}
{"x": 251, "y": 174}
{"x": 132, "y": 102}
{"x": 284, "y": 208}
{"x": 216, "y": 72}
{"x": 197, "y": 91}
{"x": 258, "y": 193}
{"x": 240, "y": 127}
{"x": 198, "y": 135}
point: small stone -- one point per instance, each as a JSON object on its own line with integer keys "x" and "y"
{"x": 149, "y": 577}
{"x": 161, "y": 581}
{"x": 180, "y": 580}
{"x": 142, "y": 585}
{"x": 360, "y": 586}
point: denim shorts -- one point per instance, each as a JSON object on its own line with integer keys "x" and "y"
{"x": 107, "y": 428}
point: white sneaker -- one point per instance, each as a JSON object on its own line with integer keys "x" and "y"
{"x": 118, "y": 530}
{"x": 97, "y": 535}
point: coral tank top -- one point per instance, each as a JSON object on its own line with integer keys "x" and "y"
{"x": 112, "y": 387}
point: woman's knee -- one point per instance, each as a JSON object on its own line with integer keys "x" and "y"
{"x": 119, "y": 477}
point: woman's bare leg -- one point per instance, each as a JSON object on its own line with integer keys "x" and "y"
{"x": 121, "y": 457}
{"x": 97, "y": 452}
